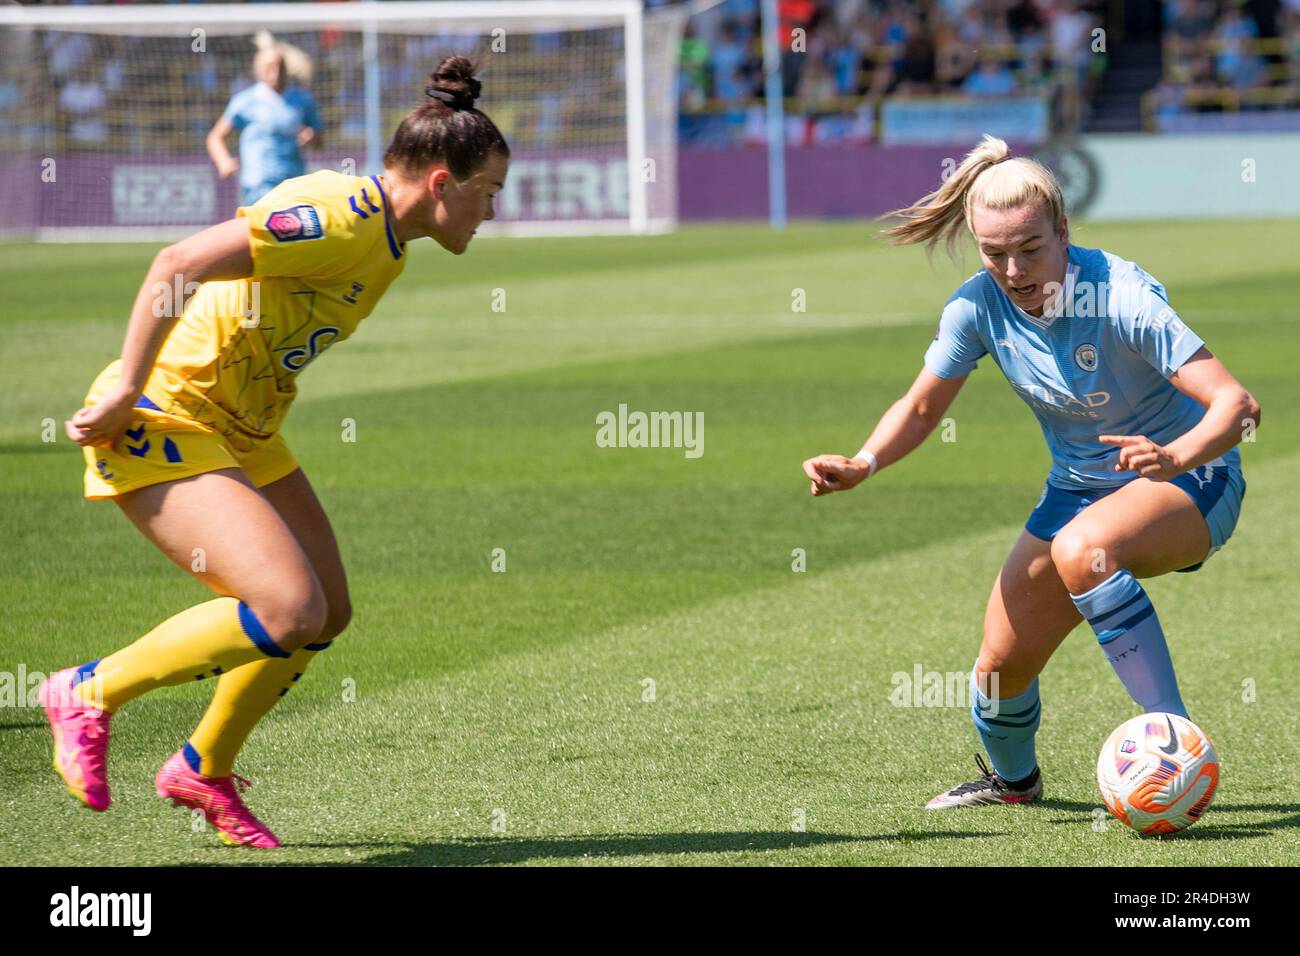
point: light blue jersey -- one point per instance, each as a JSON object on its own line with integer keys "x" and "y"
{"x": 268, "y": 123}
{"x": 1099, "y": 366}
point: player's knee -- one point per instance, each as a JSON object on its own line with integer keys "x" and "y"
{"x": 336, "y": 620}
{"x": 1078, "y": 556}
{"x": 294, "y": 618}
{"x": 302, "y": 626}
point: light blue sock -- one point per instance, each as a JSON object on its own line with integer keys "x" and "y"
{"x": 1129, "y": 633}
{"x": 1007, "y": 727}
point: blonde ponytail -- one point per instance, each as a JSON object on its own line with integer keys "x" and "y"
{"x": 297, "y": 64}
{"x": 989, "y": 177}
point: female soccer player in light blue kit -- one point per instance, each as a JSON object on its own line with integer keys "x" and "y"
{"x": 273, "y": 122}
{"x": 1142, "y": 421}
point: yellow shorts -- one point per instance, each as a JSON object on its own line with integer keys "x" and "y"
{"x": 159, "y": 446}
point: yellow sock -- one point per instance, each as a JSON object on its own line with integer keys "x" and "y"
{"x": 202, "y": 641}
{"x": 244, "y": 696}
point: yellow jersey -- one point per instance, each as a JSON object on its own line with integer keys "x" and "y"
{"x": 323, "y": 254}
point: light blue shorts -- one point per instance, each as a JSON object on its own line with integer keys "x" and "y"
{"x": 1217, "y": 490}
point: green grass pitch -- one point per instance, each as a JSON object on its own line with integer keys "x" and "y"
{"x": 473, "y": 717}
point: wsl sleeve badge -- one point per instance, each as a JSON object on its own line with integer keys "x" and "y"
{"x": 295, "y": 224}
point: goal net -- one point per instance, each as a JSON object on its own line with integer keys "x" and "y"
{"x": 104, "y": 111}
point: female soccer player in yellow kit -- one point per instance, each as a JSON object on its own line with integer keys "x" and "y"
{"x": 183, "y": 433}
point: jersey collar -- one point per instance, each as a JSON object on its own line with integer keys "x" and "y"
{"x": 394, "y": 246}
{"x": 1052, "y": 311}
{"x": 266, "y": 89}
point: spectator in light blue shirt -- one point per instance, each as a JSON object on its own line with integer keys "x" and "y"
{"x": 990, "y": 78}
{"x": 728, "y": 57}
{"x": 846, "y": 62}
{"x": 273, "y": 122}
{"x": 1237, "y": 63}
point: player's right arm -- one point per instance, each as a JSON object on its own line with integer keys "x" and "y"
{"x": 219, "y": 252}
{"x": 216, "y": 143}
{"x": 901, "y": 429}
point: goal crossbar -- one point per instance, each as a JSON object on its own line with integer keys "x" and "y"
{"x": 534, "y": 15}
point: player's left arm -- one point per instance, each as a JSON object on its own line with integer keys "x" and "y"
{"x": 218, "y": 252}
{"x": 1230, "y": 412}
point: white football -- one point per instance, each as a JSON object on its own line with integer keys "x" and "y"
{"x": 1157, "y": 773}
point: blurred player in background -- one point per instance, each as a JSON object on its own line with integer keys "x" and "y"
{"x": 274, "y": 121}
{"x": 1142, "y": 422}
{"x": 183, "y": 433}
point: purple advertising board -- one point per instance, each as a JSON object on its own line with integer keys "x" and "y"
{"x": 182, "y": 191}
{"x": 822, "y": 182}
{"x": 179, "y": 191}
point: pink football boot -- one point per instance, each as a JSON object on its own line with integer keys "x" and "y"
{"x": 219, "y": 800}
{"x": 80, "y": 739}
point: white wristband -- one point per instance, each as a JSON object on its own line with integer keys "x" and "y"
{"x": 870, "y": 459}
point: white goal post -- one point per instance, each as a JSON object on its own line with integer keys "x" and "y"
{"x": 104, "y": 110}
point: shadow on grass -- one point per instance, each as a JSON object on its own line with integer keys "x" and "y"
{"x": 1213, "y": 828}
{"x": 1072, "y": 806}
{"x": 486, "y": 851}
{"x": 1216, "y": 828}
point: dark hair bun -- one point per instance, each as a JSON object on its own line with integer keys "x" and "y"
{"x": 453, "y": 83}
{"x": 446, "y": 128}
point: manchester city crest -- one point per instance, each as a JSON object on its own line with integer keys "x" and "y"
{"x": 1085, "y": 356}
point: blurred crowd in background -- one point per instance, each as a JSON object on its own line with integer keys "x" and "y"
{"x": 843, "y": 56}
{"x": 890, "y": 47}
{"x": 841, "y": 60}
{"x": 1213, "y": 55}
{"x": 1220, "y": 55}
